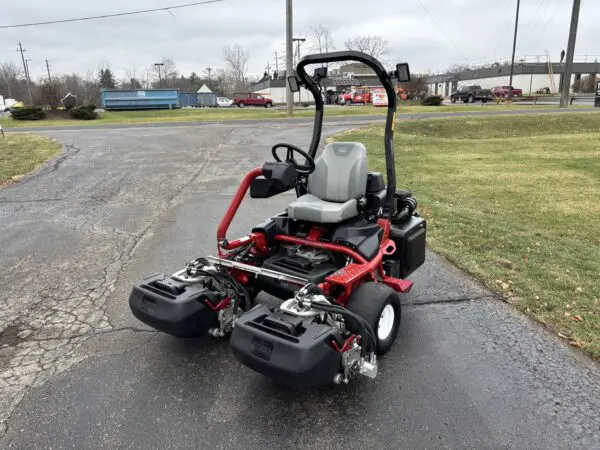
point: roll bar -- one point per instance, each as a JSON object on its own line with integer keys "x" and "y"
{"x": 384, "y": 78}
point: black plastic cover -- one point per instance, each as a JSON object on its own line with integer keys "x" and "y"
{"x": 283, "y": 174}
{"x": 409, "y": 238}
{"x": 173, "y": 307}
{"x": 274, "y": 345}
{"x": 375, "y": 182}
{"x": 287, "y": 261}
{"x": 277, "y": 177}
{"x": 376, "y": 200}
{"x": 363, "y": 236}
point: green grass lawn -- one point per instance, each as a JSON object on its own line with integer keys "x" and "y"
{"x": 22, "y": 153}
{"x": 514, "y": 201}
{"x": 219, "y": 114}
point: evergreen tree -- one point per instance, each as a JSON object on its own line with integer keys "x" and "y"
{"x": 106, "y": 79}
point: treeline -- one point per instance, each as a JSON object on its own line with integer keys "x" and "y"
{"x": 49, "y": 92}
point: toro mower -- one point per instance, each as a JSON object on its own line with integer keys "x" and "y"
{"x": 337, "y": 257}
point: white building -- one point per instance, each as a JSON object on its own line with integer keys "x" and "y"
{"x": 530, "y": 77}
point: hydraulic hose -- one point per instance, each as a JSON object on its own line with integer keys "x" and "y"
{"x": 366, "y": 327}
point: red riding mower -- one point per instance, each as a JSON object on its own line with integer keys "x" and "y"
{"x": 338, "y": 258}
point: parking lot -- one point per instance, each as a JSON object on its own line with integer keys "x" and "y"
{"x": 77, "y": 370}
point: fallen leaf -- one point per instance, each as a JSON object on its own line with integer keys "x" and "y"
{"x": 537, "y": 297}
{"x": 577, "y": 343}
{"x": 577, "y": 318}
{"x": 499, "y": 281}
{"x": 562, "y": 336}
{"x": 578, "y": 290}
{"x": 505, "y": 286}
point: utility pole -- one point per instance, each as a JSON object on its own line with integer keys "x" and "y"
{"x": 276, "y": 63}
{"x": 566, "y": 82}
{"x": 512, "y": 61}
{"x": 48, "y": 69}
{"x": 21, "y": 50}
{"x": 289, "y": 54}
{"x": 159, "y": 65}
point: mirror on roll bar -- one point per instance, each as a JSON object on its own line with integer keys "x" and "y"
{"x": 402, "y": 72}
{"x": 320, "y": 73}
{"x": 293, "y": 83}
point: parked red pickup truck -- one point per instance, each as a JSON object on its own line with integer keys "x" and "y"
{"x": 358, "y": 96}
{"x": 250, "y": 99}
{"x": 502, "y": 91}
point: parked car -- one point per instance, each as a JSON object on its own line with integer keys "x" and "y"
{"x": 250, "y": 99}
{"x": 472, "y": 93}
{"x": 224, "y": 102}
{"x": 503, "y": 91}
{"x": 357, "y": 96}
{"x": 544, "y": 90}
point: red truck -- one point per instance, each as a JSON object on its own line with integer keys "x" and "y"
{"x": 250, "y": 99}
{"x": 502, "y": 91}
{"x": 358, "y": 96}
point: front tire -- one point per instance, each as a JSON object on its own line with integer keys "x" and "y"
{"x": 348, "y": 102}
{"x": 268, "y": 105}
{"x": 379, "y": 305}
{"x": 241, "y": 104}
{"x": 452, "y": 99}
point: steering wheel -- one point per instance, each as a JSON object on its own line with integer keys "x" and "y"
{"x": 305, "y": 169}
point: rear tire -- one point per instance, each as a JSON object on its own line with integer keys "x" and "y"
{"x": 471, "y": 99}
{"x": 348, "y": 102}
{"x": 241, "y": 104}
{"x": 379, "y": 305}
{"x": 452, "y": 99}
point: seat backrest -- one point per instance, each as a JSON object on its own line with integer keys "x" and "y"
{"x": 341, "y": 172}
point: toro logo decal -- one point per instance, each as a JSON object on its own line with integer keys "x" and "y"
{"x": 261, "y": 348}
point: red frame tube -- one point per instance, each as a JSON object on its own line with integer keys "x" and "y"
{"x": 235, "y": 204}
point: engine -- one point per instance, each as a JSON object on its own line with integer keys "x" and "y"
{"x": 312, "y": 265}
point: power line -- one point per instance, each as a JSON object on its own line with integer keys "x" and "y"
{"x": 538, "y": 16}
{"x": 500, "y": 24}
{"x": 442, "y": 30}
{"x": 543, "y": 30}
{"x": 105, "y": 16}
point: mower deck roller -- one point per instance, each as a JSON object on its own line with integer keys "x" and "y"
{"x": 337, "y": 258}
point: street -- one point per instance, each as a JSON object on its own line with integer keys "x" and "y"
{"x": 77, "y": 370}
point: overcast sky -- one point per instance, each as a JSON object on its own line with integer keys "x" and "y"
{"x": 473, "y": 31}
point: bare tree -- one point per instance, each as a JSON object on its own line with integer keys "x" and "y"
{"x": 10, "y": 74}
{"x": 131, "y": 78}
{"x": 320, "y": 39}
{"x": 375, "y": 46}
{"x": 166, "y": 71}
{"x": 237, "y": 64}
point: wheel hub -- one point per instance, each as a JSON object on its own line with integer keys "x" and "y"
{"x": 386, "y": 322}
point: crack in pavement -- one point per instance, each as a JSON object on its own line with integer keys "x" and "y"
{"x": 43, "y": 341}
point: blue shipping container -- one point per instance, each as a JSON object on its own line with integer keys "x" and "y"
{"x": 140, "y": 99}
{"x": 188, "y": 99}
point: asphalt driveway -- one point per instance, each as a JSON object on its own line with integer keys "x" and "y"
{"x": 78, "y": 371}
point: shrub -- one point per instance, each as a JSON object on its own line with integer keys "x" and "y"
{"x": 28, "y": 113}
{"x": 84, "y": 112}
{"x": 432, "y": 100}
